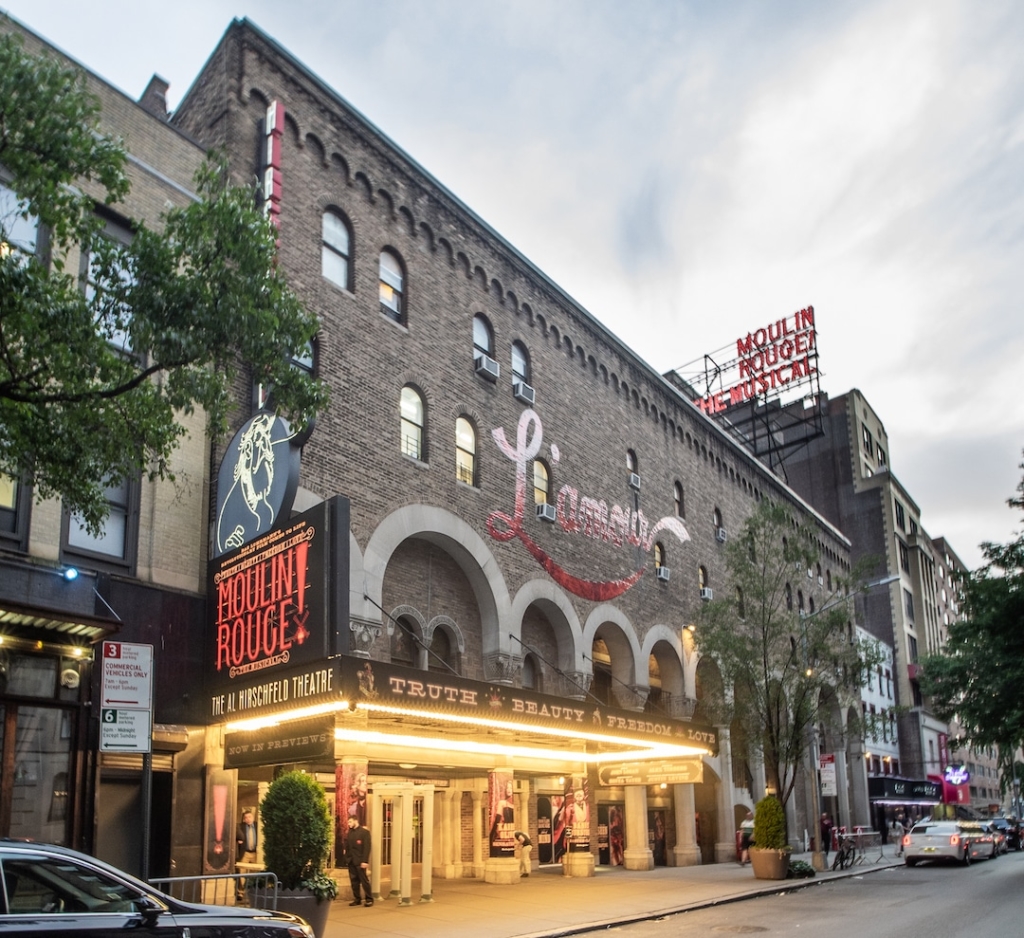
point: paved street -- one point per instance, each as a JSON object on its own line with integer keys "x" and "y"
{"x": 548, "y": 904}
{"x": 925, "y": 902}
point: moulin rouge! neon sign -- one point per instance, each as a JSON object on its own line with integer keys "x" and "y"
{"x": 585, "y": 516}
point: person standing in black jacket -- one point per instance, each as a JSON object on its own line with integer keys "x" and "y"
{"x": 357, "y": 854}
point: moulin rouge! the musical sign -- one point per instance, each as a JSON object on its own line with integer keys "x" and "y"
{"x": 777, "y": 357}
{"x": 584, "y": 515}
{"x": 268, "y": 605}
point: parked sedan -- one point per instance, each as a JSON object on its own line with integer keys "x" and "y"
{"x": 960, "y": 841}
{"x": 48, "y": 890}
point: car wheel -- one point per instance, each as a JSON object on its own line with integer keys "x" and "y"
{"x": 910, "y": 861}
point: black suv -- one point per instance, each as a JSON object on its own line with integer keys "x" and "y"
{"x": 1011, "y": 830}
{"x": 48, "y": 890}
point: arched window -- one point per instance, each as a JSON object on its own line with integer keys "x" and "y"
{"x": 659, "y": 556}
{"x": 716, "y": 518}
{"x": 678, "y": 497}
{"x": 520, "y": 363}
{"x": 800, "y": 600}
{"x": 404, "y": 643}
{"x": 336, "y": 250}
{"x": 392, "y": 287}
{"x": 631, "y": 462}
{"x": 789, "y": 597}
{"x": 440, "y": 657}
{"x": 413, "y": 439}
{"x": 531, "y": 673}
{"x": 483, "y": 337}
{"x": 702, "y": 578}
{"x": 465, "y": 451}
{"x": 541, "y": 483}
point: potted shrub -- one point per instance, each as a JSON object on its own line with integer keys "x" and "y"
{"x": 769, "y": 854}
{"x": 296, "y": 836}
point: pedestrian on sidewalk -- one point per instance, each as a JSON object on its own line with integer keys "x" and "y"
{"x": 826, "y": 835}
{"x": 746, "y": 837}
{"x": 525, "y": 849}
{"x": 357, "y": 855}
{"x": 898, "y": 830}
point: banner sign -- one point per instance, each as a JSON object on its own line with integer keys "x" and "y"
{"x": 395, "y": 686}
{"x": 267, "y": 603}
{"x": 675, "y": 772}
{"x": 298, "y": 741}
{"x": 904, "y": 790}
{"x": 827, "y": 769}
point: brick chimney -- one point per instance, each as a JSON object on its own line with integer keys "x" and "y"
{"x": 154, "y": 98}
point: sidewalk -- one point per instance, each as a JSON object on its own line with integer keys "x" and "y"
{"x": 547, "y": 904}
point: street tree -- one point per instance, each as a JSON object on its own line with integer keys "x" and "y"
{"x": 778, "y": 661}
{"x": 975, "y": 680}
{"x": 96, "y": 370}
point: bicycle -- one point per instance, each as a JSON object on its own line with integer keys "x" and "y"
{"x": 846, "y": 855}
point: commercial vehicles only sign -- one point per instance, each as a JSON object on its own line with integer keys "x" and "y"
{"x": 126, "y": 697}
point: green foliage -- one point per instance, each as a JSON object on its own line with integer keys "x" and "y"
{"x": 770, "y": 824}
{"x": 976, "y": 679}
{"x": 787, "y": 670}
{"x": 798, "y": 869}
{"x": 198, "y": 299}
{"x": 296, "y": 833}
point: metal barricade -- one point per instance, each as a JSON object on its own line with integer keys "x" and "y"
{"x": 256, "y": 890}
{"x": 867, "y": 842}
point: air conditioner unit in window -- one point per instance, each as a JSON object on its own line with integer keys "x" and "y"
{"x": 523, "y": 392}
{"x": 634, "y": 481}
{"x": 546, "y": 512}
{"x": 487, "y": 367}
{"x": 663, "y": 574}
{"x": 720, "y": 535}
{"x": 706, "y": 594}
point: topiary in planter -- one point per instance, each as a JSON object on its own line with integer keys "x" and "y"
{"x": 770, "y": 824}
{"x": 296, "y": 833}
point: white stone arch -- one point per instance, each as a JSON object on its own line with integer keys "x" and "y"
{"x": 624, "y": 646}
{"x": 554, "y": 603}
{"x": 660, "y": 637}
{"x": 462, "y": 543}
{"x": 450, "y": 627}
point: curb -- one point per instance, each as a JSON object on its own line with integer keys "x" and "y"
{"x": 786, "y": 885}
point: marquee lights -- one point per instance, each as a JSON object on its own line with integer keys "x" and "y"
{"x": 286, "y": 716}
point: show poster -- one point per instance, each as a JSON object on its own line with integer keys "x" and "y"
{"x": 501, "y": 790}
{"x": 350, "y": 801}
{"x": 576, "y": 814}
{"x": 219, "y": 855}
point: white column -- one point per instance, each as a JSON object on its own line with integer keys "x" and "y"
{"x": 397, "y": 826}
{"x": 725, "y": 843}
{"x": 404, "y": 859}
{"x": 376, "y": 809}
{"x": 686, "y": 852}
{"x": 637, "y": 855}
{"x": 478, "y": 834}
{"x": 427, "y": 873}
{"x": 843, "y": 786}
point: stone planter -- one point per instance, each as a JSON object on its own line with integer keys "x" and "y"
{"x": 769, "y": 864}
{"x": 302, "y": 902}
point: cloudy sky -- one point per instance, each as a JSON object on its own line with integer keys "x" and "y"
{"x": 689, "y": 171}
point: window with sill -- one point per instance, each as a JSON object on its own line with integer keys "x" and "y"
{"x": 19, "y": 231}
{"x": 541, "y": 482}
{"x": 411, "y": 429}
{"x": 392, "y": 286}
{"x": 677, "y": 497}
{"x": 465, "y": 451}
{"x": 483, "y": 337}
{"x": 659, "y": 556}
{"x": 335, "y": 250}
{"x": 15, "y": 506}
{"x": 520, "y": 364}
{"x": 113, "y": 546}
{"x": 108, "y": 276}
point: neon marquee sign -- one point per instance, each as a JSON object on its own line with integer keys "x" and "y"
{"x": 586, "y": 516}
{"x": 957, "y": 775}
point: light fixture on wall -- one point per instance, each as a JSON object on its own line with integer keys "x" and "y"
{"x": 70, "y": 574}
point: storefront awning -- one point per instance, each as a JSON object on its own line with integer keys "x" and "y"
{"x": 888, "y": 790}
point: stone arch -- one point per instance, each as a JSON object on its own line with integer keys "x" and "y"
{"x": 555, "y": 605}
{"x": 450, "y": 626}
{"x": 408, "y": 222}
{"x": 449, "y": 252}
{"x": 388, "y": 200}
{"x": 362, "y": 182}
{"x": 291, "y": 129}
{"x": 497, "y": 290}
{"x": 316, "y": 147}
{"x": 664, "y": 644}
{"x": 462, "y": 543}
{"x": 428, "y": 236}
{"x": 339, "y": 163}
{"x": 611, "y": 624}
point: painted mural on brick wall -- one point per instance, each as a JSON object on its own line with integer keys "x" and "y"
{"x": 576, "y": 513}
